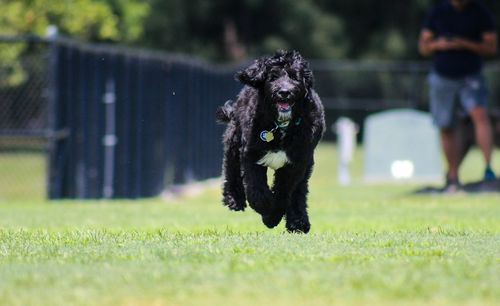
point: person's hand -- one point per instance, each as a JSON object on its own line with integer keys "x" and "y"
{"x": 462, "y": 43}
{"x": 445, "y": 44}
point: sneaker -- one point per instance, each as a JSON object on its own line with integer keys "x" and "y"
{"x": 452, "y": 186}
{"x": 489, "y": 175}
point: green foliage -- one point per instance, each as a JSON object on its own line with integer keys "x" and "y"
{"x": 307, "y": 25}
{"x": 11, "y": 72}
{"x": 198, "y": 27}
{"x": 131, "y": 15}
{"x": 321, "y": 29}
{"x": 96, "y": 20}
{"x": 90, "y": 20}
{"x": 87, "y": 19}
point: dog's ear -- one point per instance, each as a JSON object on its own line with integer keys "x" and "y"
{"x": 301, "y": 63}
{"x": 254, "y": 75}
{"x": 308, "y": 78}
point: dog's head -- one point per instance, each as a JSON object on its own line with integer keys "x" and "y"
{"x": 284, "y": 78}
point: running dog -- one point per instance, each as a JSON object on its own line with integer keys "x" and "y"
{"x": 276, "y": 122}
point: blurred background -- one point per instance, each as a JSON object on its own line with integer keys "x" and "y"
{"x": 115, "y": 98}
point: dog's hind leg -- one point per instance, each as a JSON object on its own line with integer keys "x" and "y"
{"x": 232, "y": 190}
{"x": 297, "y": 219}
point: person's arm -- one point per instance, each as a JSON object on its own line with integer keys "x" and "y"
{"x": 428, "y": 44}
{"x": 486, "y": 47}
{"x": 425, "y": 45}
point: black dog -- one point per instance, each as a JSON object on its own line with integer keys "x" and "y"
{"x": 276, "y": 122}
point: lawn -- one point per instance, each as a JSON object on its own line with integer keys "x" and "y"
{"x": 369, "y": 245}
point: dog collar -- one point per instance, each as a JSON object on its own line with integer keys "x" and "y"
{"x": 268, "y": 136}
{"x": 285, "y": 124}
{"x": 281, "y": 125}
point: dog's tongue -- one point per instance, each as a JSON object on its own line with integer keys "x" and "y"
{"x": 283, "y": 107}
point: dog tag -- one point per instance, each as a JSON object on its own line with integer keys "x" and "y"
{"x": 266, "y": 136}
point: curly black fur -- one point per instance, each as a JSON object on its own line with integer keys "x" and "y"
{"x": 277, "y": 89}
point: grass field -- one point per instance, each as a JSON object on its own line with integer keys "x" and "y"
{"x": 369, "y": 245}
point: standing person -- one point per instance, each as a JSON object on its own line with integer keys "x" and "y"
{"x": 458, "y": 34}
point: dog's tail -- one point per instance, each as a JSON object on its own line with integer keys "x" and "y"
{"x": 224, "y": 113}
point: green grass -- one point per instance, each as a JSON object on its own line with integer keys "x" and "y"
{"x": 22, "y": 176}
{"x": 375, "y": 244}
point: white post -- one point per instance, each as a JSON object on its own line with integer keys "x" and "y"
{"x": 346, "y": 130}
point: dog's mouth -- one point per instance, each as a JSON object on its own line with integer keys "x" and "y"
{"x": 283, "y": 107}
{"x": 284, "y": 111}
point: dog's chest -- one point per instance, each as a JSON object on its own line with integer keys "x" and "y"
{"x": 274, "y": 159}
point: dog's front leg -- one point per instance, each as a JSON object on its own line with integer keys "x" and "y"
{"x": 257, "y": 191}
{"x": 286, "y": 180}
{"x": 297, "y": 219}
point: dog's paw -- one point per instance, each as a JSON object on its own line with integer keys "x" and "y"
{"x": 299, "y": 226}
{"x": 261, "y": 201}
{"x": 233, "y": 204}
{"x": 272, "y": 220}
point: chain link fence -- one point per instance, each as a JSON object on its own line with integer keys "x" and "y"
{"x": 23, "y": 116}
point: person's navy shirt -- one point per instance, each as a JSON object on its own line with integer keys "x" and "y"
{"x": 469, "y": 23}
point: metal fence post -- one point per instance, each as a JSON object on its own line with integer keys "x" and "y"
{"x": 109, "y": 140}
{"x": 53, "y": 177}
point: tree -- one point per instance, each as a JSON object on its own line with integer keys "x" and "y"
{"x": 90, "y": 20}
{"x": 86, "y": 19}
{"x": 232, "y": 30}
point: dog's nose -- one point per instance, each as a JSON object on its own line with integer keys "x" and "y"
{"x": 284, "y": 94}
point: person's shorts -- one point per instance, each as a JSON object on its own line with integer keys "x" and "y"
{"x": 451, "y": 97}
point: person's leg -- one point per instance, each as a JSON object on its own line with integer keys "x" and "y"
{"x": 474, "y": 98}
{"x": 449, "y": 144}
{"x": 482, "y": 130}
{"x": 443, "y": 93}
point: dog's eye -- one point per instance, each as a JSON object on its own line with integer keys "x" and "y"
{"x": 294, "y": 76}
{"x": 273, "y": 76}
